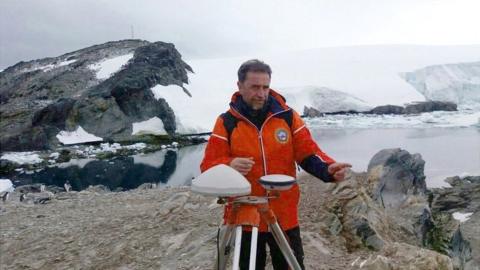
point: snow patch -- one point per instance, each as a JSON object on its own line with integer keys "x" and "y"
{"x": 6, "y": 185}
{"x": 187, "y": 121}
{"x": 49, "y": 67}
{"x": 136, "y": 146}
{"x": 151, "y": 126}
{"x": 77, "y": 136}
{"x": 462, "y": 217}
{"x": 22, "y": 157}
{"x": 107, "y": 147}
{"x": 106, "y": 68}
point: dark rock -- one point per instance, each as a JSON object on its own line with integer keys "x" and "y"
{"x": 430, "y": 106}
{"x": 54, "y": 114}
{"x": 464, "y": 195}
{"x": 415, "y": 108}
{"x": 360, "y": 220}
{"x": 311, "y": 112}
{"x": 400, "y": 174}
{"x": 367, "y": 234}
{"x": 460, "y": 250}
{"x": 461, "y": 238}
{"x": 198, "y": 140}
{"x": 387, "y": 109}
{"x": 37, "y": 198}
{"x": 33, "y": 188}
{"x": 343, "y": 112}
{"x": 65, "y": 156}
{"x": 7, "y": 166}
{"x": 397, "y": 182}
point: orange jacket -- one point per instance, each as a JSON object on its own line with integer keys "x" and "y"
{"x": 275, "y": 148}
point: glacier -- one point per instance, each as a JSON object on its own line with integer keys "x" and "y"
{"x": 458, "y": 83}
{"x": 323, "y": 99}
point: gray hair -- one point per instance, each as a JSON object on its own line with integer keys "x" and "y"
{"x": 253, "y": 65}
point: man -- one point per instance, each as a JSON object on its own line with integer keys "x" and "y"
{"x": 261, "y": 135}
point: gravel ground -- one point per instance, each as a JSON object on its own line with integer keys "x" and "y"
{"x": 144, "y": 229}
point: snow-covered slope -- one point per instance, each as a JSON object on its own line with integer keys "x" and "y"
{"x": 182, "y": 104}
{"x": 458, "y": 83}
{"x": 323, "y": 99}
{"x": 106, "y": 67}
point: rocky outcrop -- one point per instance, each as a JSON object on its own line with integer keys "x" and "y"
{"x": 40, "y": 98}
{"x": 311, "y": 112}
{"x": 399, "y": 256}
{"x": 430, "y": 106}
{"x": 394, "y": 175}
{"x": 388, "y": 109}
{"x": 460, "y": 238}
{"x": 414, "y": 108}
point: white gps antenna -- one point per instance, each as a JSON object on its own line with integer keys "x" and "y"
{"x": 221, "y": 181}
{"x": 277, "y": 181}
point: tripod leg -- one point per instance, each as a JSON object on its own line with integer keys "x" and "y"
{"x": 253, "y": 248}
{"x": 225, "y": 236}
{"x": 238, "y": 243}
{"x": 284, "y": 246}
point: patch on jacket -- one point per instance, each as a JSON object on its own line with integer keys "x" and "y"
{"x": 281, "y": 135}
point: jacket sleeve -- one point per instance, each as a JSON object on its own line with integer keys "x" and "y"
{"x": 218, "y": 149}
{"x": 307, "y": 153}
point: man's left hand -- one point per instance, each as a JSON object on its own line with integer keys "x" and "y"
{"x": 337, "y": 170}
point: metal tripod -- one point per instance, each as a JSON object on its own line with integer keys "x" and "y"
{"x": 247, "y": 211}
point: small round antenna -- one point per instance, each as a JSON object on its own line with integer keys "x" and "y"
{"x": 221, "y": 181}
{"x": 277, "y": 181}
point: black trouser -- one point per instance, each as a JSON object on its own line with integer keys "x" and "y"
{"x": 278, "y": 261}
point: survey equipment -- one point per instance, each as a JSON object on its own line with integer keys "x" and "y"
{"x": 233, "y": 188}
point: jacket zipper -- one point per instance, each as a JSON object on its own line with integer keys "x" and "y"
{"x": 259, "y": 132}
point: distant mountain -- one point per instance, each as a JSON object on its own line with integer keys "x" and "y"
{"x": 458, "y": 83}
{"x": 97, "y": 93}
{"x": 323, "y": 99}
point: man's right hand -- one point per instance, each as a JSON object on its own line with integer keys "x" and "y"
{"x": 243, "y": 165}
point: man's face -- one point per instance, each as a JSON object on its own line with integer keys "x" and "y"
{"x": 255, "y": 89}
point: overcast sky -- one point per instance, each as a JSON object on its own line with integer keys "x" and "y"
{"x": 31, "y": 29}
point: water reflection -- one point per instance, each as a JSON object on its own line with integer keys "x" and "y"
{"x": 165, "y": 167}
{"x": 447, "y": 152}
{"x": 118, "y": 173}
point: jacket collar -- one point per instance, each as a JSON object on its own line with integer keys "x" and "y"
{"x": 275, "y": 103}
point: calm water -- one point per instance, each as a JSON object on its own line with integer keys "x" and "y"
{"x": 447, "y": 152}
